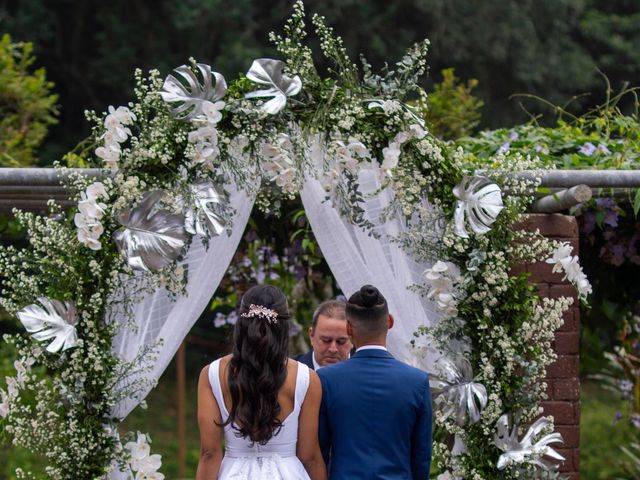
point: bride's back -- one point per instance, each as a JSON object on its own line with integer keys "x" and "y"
{"x": 258, "y": 399}
{"x": 290, "y": 398}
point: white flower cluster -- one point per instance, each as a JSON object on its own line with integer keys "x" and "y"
{"x": 391, "y": 153}
{"x": 116, "y": 134}
{"x": 344, "y": 156}
{"x": 143, "y": 463}
{"x": 14, "y": 384}
{"x": 562, "y": 260}
{"x": 441, "y": 278}
{"x": 205, "y": 137}
{"x": 90, "y": 211}
{"x": 279, "y": 165}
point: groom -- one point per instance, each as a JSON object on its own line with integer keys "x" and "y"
{"x": 375, "y": 417}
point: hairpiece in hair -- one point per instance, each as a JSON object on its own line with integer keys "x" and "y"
{"x": 262, "y": 312}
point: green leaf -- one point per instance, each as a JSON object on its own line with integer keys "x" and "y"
{"x": 636, "y": 203}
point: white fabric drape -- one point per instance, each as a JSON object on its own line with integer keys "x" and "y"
{"x": 357, "y": 259}
{"x": 158, "y": 316}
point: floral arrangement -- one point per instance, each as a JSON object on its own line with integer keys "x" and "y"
{"x": 169, "y": 157}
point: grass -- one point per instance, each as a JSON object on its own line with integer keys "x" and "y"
{"x": 160, "y": 421}
{"x": 600, "y": 439}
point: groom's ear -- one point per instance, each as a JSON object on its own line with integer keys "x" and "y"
{"x": 390, "y": 322}
{"x": 349, "y": 329}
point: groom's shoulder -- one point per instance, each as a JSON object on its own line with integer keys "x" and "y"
{"x": 337, "y": 370}
{"x": 412, "y": 372}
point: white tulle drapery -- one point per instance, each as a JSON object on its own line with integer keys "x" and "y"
{"x": 357, "y": 258}
{"x": 157, "y": 316}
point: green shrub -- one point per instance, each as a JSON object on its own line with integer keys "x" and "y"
{"x": 27, "y": 106}
{"x": 452, "y": 111}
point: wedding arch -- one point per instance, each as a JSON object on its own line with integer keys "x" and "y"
{"x": 107, "y": 293}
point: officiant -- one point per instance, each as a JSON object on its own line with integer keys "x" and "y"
{"x": 328, "y": 334}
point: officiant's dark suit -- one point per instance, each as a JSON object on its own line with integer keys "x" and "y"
{"x": 375, "y": 417}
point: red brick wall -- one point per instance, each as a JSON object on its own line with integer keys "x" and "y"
{"x": 562, "y": 376}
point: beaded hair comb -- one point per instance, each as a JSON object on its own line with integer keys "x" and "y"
{"x": 259, "y": 311}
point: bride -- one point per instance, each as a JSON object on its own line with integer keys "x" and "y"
{"x": 264, "y": 403}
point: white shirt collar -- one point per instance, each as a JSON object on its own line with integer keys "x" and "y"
{"x": 372, "y": 347}
{"x": 316, "y": 365}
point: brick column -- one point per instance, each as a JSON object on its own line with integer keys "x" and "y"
{"x": 563, "y": 375}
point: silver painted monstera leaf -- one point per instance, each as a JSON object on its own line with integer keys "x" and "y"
{"x": 268, "y": 71}
{"x": 527, "y": 450}
{"x": 55, "y": 321}
{"x": 479, "y": 203}
{"x": 152, "y": 238}
{"x": 187, "y": 100}
{"x": 454, "y": 392}
{"x": 201, "y": 218}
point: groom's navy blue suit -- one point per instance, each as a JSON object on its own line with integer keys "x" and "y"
{"x": 375, "y": 419}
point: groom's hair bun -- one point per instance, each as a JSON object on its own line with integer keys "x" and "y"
{"x": 370, "y": 296}
{"x": 368, "y": 310}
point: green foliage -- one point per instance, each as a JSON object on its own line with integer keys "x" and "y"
{"x": 548, "y": 47}
{"x": 27, "y": 106}
{"x": 12, "y": 457}
{"x": 452, "y": 111}
{"x": 603, "y": 138}
{"x": 600, "y": 459}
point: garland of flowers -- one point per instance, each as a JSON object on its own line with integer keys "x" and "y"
{"x": 169, "y": 156}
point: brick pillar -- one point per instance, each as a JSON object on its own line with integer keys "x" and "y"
{"x": 562, "y": 376}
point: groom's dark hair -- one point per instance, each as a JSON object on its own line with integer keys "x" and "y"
{"x": 367, "y": 309}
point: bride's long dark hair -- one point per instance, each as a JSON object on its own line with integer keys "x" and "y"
{"x": 258, "y": 368}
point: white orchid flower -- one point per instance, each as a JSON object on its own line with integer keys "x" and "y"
{"x": 122, "y": 114}
{"x": 96, "y": 190}
{"x": 213, "y": 111}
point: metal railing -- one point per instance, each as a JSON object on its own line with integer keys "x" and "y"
{"x": 30, "y": 188}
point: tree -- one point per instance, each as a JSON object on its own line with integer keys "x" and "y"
{"x": 27, "y": 106}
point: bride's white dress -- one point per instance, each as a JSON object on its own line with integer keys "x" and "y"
{"x": 274, "y": 461}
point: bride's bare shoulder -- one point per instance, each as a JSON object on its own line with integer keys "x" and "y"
{"x": 224, "y": 361}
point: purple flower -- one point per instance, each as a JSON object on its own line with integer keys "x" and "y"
{"x": 606, "y": 202}
{"x": 542, "y": 149}
{"x": 232, "y": 318}
{"x": 513, "y": 135}
{"x": 626, "y": 386}
{"x": 503, "y": 148}
{"x": 251, "y": 236}
{"x": 617, "y": 417}
{"x": 588, "y": 222}
{"x": 587, "y": 149}
{"x": 603, "y": 148}
{"x": 635, "y": 420}
{"x": 300, "y": 272}
{"x": 611, "y": 218}
{"x": 617, "y": 251}
{"x": 219, "y": 320}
